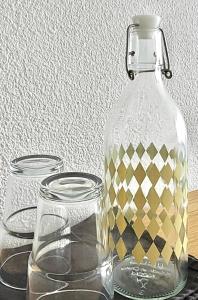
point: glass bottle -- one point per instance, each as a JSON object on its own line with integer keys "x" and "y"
{"x": 146, "y": 173}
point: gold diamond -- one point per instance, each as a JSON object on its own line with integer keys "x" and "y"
{"x": 111, "y": 218}
{"x": 153, "y": 228}
{"x": 117, "y": 180}
{"x": 130, "y": 151}
{"x": 138, "y": 252}
{"x": 121, "y": 152}
{"x": 178, "y": 196}
{"x": 139, "y": 199}
{"x": 112, "y": 168}
{"x": 111, "y": 242}
{"x": 178, "y": 222}
{"x": 153, "y": 254}
{"x": 139, "y": 173}
{"x": 121, "y": 223}
{"x": 129, "y": 215}
{"x": 167, "y": 226}
{"x": 140, "y": 150}
{"x": 129, "y": 196}
{"x": 152, "y": 151}
{"x": 179, "y": 171}
{"x": 172, "y": 154}
{"x": 138, "y": 227}
{"x": 166, "y": 198}
{"x": 129, "y": 174}
{"x": 166, "y": 173}
{"x": 122, "y": 198}
{"x": 153, "y": 199}
{"x": 153, "y": 173}
{"x": 122, "y": 171}
{"x": 112, "y": 194}
{"x": 178, "y": 248}
{"x": 164, "y": 153}
{"x": 121, "y": 249}
{"x": 166, "y": 253}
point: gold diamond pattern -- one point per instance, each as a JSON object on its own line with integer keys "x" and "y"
{"x": 167, "y": 198}
{"x": 139, "y": 199}
{"x": 129, "y": 215}
{"x": 152, "y": 151}
{"x": 129, "y": 174}
{"x": 138, "y": 227}
{"x": 122, "y": 171}
{"x": 167, "y": 252}
{"x": 140, "y": 150}
{"x": 121, "y": 248}
{"x": 121, "y": 223}
{"x": 153, "y": 173}
{"x": 164, "y": 153}
{"x": 159, "y": 212}
{"x": 138, "y": 252}
{"x": 130, "y": 151}
{"x": 112, "y": 168}
{"x": 122, "y": 198}
{"x": 166, "y": 173}
{"x": 153, "y": 254}
{"x": 153, "y": 228}
{"x": 112, "y": 194}
{"x": 139, "y": 174}
{"x": 153, "y": 199}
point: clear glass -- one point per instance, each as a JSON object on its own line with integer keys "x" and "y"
{"x": 146, "y": 180}
{"x": 19, "y": 216}
{"x": 70, "y": 246}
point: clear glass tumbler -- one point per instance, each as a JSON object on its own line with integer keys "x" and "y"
{"x": 19, "y": 217}
{"x": 70, "y": 250}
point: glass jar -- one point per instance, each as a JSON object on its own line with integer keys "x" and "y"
{"x": 146, "y": 174}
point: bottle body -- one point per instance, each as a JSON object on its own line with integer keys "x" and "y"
{"x": 146, "y": 191}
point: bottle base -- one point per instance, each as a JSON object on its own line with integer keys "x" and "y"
{"x": 144, "y": 281}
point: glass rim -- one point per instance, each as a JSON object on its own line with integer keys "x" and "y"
{"x": 36, "y": 165}
{"x": 85, "y": 187}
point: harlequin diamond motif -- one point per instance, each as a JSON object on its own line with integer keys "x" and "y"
{"x": 139, "y": 199}
{"x": 153, "y": 254}
{"x": 139, "y": 173}
{"x": 166, "y": 198}
{"x": 164, "y": 153}
{"x": 152, "y": 151}
{"x": 166, "y": 173}
{"x": 138, "y": 252}
{"x": 138, "y": 227}
{"x": 149, "y": 199}
{"x": 153, "y": 173}
{"x": 122, "y": 198}
{"x": 121, "y": 223}
{"x": 121, "y": 248}
{"x": 122, "y": 171}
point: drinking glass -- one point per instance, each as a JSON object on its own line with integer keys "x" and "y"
{"x": 70, "y": 249}
{"x": 19, "y": 216}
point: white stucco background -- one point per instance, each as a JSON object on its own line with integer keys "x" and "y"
{"x": 62, "y": 66}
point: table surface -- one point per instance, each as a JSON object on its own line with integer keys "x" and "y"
{"x": 193, "y": 223}
{"x": 10, "y": 294}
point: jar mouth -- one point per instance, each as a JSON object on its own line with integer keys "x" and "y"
{"x": 71, "y": 187}
{"x": 36, "y": 165}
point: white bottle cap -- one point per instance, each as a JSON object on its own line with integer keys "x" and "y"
{"x": 146, "y": 22}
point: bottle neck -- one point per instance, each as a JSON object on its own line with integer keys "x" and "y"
{"x": 144, "y": 51}
{"x": 150, "y": 78}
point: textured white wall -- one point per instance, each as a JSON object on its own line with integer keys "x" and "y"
{"x": 62, "y": 66}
